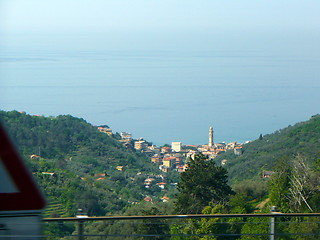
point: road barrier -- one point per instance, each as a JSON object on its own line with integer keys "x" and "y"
{"x": 218, "y": 226}
{"x": 176, "y": 227}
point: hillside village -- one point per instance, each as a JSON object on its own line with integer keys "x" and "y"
{"x": 169, "y": 159}
{"x": 173, "y": 158}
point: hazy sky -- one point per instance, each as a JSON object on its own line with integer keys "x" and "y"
{"x": 58, "y": 16}
{"x": 81, "y": 15}
{"x": 159, "y": 24}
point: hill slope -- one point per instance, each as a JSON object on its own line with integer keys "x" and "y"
{"x": 76, "y": 165}
{"x": 261, "y": 154}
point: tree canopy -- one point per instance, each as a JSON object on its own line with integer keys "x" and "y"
{"x": 203, "y": 183}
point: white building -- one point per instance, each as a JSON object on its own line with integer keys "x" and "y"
{"x": 176, "y": 146}
{"x": 126, "y": 136}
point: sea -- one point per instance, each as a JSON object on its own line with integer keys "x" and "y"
{"x": 164, "y": 94}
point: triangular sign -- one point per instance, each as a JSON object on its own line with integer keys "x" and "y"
{"x": 18, "y": 191}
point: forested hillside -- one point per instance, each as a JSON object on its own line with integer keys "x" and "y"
{"x": 262, "y": 154}
{"x": 76, "y": 165}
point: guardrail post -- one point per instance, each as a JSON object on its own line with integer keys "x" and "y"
{"x": 274, "y": 210}
{"x": 80, "y": 229}
{"x": 81, "y": 215}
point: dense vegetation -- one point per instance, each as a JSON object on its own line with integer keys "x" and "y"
{"x": 76, "y": 168}
{"x": 262, "y": 154}
{"x": 76, "y": 165}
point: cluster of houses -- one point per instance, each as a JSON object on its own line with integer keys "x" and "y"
{"x": 173, "y": 158}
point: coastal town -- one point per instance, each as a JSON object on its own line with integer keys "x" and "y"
{"x": 174, "y": 157}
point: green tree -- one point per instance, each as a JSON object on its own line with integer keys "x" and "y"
{"x": 202, "y": 183}
{"x": 279, "y": 185}
{"x": 256, "y": 229}
{"x": 212, "y": 226}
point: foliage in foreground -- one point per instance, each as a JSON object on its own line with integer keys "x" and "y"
{"x": 202, "y": 183}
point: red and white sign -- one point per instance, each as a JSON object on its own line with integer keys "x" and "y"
{"x": 18, "y": 191}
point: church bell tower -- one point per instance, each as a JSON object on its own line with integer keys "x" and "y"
{"x": 210, "y": 137}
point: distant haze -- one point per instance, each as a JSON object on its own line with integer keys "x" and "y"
{"x": 164, "y": 70}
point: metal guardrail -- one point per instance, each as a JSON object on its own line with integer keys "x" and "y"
{"x": 278, "y": 214}
{"x": 183, "y": 222}
{"x": 176, "y": 227}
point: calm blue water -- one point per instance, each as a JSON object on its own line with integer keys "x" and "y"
{"x": 166, "y": 96}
